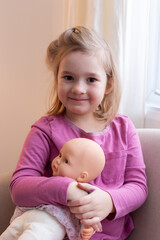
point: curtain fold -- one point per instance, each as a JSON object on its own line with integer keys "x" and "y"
{"x": 79, "y": 12}
{"x": 134, "y": 73}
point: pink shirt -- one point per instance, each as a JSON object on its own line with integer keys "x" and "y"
{"x": 123, "y": 176}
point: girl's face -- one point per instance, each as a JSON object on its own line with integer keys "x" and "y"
{"x": 82, "y": 83}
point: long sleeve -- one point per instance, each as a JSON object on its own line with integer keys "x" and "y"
{"x": 132, "y": 194}
{"x": 29, "y": 186}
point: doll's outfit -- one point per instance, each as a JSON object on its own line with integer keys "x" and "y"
{"x": 43, "y": 222}
{"x": 123, "y": 176}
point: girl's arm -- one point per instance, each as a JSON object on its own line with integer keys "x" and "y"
{"x": 133, "y": 192}
{"x": 28, "y": 186}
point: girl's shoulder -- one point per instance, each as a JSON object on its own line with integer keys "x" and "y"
{"x": 120, "y": 118}
{"x": 47, "y": 120}
{"x": 56, "y": 128}
{"x": 122, "y": 122}
{"x": 122, "y": 130}
{"x": 47, "y": 123}
{"x": 44, "y": 120}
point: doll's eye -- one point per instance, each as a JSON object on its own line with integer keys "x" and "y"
{"x": 66, "y": 161}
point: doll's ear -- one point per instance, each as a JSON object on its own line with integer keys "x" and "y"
{"x": 83, "y": 177}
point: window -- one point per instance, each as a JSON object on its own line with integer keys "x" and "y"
{"x": 153, "y": 61}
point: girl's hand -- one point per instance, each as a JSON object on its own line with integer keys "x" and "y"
{"x": 94, "y": 207}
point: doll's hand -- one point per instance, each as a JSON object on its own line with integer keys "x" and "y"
{"x": 94, "y": 207}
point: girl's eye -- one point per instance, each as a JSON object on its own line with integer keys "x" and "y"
{"x": 91, "y": 80}
{"x": 66, "y": 161}
{"x": 60, "y": 155}
{"x": 68, "y": 77}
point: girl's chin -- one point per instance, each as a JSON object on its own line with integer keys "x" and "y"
{"x": 76, "y": 112}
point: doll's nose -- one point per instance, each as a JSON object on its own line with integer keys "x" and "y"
{"x": 58, "y": 161}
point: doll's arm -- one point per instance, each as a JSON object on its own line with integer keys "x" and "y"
{"x": 87, "y": 232}
{"x": 74, "y": 192}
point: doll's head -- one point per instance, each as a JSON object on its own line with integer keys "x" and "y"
{"x": 81, "y": 159}
{"x": 86, "y": 41}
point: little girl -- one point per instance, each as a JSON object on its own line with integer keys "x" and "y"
{"x": 85, "y": 101}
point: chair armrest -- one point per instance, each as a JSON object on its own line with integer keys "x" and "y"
{"x": 147, "y": 217}
{"x": 6, "y": 204}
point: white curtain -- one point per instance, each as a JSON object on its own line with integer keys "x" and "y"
{"x": 125, "y": 27}
{"x": 124, "y": 24}
{"x": 134, "y": 72}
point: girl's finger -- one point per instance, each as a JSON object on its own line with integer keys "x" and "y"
{"x": 87, "y": 215}
{"x": 81, "y": 209}
{"x": 97, "y": 227}
{"x": 90, "y": 221}
{"x": 78, "y": 202}
{"x": 86, "y": 187}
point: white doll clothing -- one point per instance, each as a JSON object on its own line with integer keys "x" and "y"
{"x": 43, "y": 222}
{"x": 34, "y": 225}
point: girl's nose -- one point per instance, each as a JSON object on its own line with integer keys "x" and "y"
{"x": 79, "y": 87}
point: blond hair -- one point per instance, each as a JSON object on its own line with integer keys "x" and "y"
{"x": 84, "y": 40}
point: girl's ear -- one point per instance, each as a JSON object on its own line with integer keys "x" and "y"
{"x": 109, "y": 86}
{"x": 83, "y": 177}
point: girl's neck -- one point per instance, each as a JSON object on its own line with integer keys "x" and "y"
{"x": 87, "y": 123}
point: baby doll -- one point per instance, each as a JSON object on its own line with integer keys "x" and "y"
{"x": 81, "y": 159}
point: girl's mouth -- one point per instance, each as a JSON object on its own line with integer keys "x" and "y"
{"x": 78, "y": 99}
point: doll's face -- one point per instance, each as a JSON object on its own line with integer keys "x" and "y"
{"x": 81, "y": 159}
{"x": 67, "y": 163}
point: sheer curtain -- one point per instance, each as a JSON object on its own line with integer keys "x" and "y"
{"x": 124, "y": 24}
{"x": 134, "y": 72}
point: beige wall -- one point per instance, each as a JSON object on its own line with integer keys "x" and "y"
{"x": 26, "y": 29}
